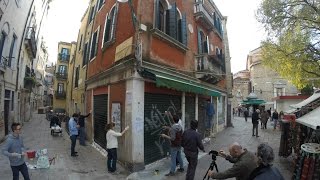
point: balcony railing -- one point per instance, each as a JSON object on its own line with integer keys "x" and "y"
{"x": 207, "y": 69}
{"x": 62, "y": 75}
{"x": 64, "y": 57}
{"x": 203, "y": 11}
{"x": 60, "y": 95}
{"x": 30, "y": 42}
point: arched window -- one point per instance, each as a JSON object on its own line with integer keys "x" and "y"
{"x": 110, "y": 25}
{"x": 203, "y": 42}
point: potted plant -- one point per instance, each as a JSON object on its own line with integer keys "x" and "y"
{"x": 29, "y": 82}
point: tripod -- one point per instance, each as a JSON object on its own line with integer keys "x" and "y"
{"x": 212, "y": 165}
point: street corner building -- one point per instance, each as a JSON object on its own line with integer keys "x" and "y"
{"x": 136, "y": 60}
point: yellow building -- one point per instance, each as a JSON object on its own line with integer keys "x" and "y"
{"x": 65, "y": 55}
{"x": 78, "y": 70}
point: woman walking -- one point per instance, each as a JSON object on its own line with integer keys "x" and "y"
{"x": 112, "y": 146}
{"x": 264, "y": 119}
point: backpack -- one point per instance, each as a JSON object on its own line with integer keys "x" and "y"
{"x": 177, "y": 141}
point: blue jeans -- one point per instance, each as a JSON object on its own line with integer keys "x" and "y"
{"x": 73, "y": 143}
{"x": 209, "y": 123}
{"x": 23, "y": 169}
{"x": 112, "y": 159}
{"x": 275, "y": 121}
{"x": 82, "y": 136}
{"x": 175, "y": 153}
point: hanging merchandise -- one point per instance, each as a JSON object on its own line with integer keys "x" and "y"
{"x": 308, "y": 166}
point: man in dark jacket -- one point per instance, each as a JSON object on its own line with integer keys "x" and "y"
{"x": 82, "y": 128}
{"x": 265, "y": 170}
{"x": 243, "y": 165}
{"x": 255, "y": 121}
{"x": 175, "y": 138}
{"x": 275, "y": 117}
{"x": 191, "y": 141}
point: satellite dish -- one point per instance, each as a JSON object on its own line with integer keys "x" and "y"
{"x": 122, "y": 1}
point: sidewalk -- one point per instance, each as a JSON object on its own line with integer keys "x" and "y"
{"x": 89, "y": 165}
{"x": 242, "y": 133}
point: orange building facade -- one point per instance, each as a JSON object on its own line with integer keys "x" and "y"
{"x": 165, "y": 56}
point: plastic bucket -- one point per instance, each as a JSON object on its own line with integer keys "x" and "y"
{"x": 31, "y": 154}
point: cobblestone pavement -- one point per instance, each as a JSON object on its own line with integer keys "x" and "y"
{"x": 90, "y": 164}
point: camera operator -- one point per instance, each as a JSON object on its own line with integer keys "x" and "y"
{"x": 244, "y": 163}
{"x": 191, "y": 141}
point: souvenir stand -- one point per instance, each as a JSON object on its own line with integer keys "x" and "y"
{"x": 300, "y": 137}
{"x": 307, "y": 164}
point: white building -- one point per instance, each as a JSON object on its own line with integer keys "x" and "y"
{"x": 13, "y": 17}
{"x": 20, "y": 40}
{"x": 33, "y": 59}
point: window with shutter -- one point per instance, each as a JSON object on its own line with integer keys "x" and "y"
{"x": 12, "y": 48}
{"x": 199, "y": 42}
{"x": 76, "y": 82}
{"x": 101, "y": 2}
{"x": 161, "y": 15}
{"x": 172, "y": 22}
{"x": 110, "y": 25}
{"x": 85, "y": 55}
{"x": 183, "y": 29}
{"x": 202, "y": 43}
{"x": 94, "y": 43}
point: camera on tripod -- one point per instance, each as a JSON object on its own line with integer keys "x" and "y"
{"x": 214, "y": 154}
{"x": 213, "y": 163}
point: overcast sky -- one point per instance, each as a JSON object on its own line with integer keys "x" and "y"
{"x": 63, "y": 23}
{"x": 244, "y": 32}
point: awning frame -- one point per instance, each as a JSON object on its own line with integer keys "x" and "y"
{"x": 181, "y": 84}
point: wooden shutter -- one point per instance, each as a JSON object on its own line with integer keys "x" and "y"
{"x": 184, "y": 35}
{"x": 172, "y": 21}
{"x": 156, "y": 14}
{"x": 199, "y": 42}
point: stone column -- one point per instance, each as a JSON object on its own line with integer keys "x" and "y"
{"x": 134, "y": 117}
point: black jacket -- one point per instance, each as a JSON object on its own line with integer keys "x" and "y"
{"x": 81, "y": 119}
{"x": 191, "y": 141}
{"x": 255, "y": 118}
{"x": 265, "y": 173}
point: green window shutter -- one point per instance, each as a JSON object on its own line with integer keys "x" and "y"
{"x": 199, "y": 43}
{"x": 156, "y": 13}
{"x": 184, "y": 31}
{"x": 172, "y": 22}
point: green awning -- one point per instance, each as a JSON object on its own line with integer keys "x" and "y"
{"x": 253, "y": 102}
{"x": 180, "y": 84}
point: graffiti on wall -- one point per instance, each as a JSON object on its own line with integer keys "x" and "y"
{"x": 156, "y": 120}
